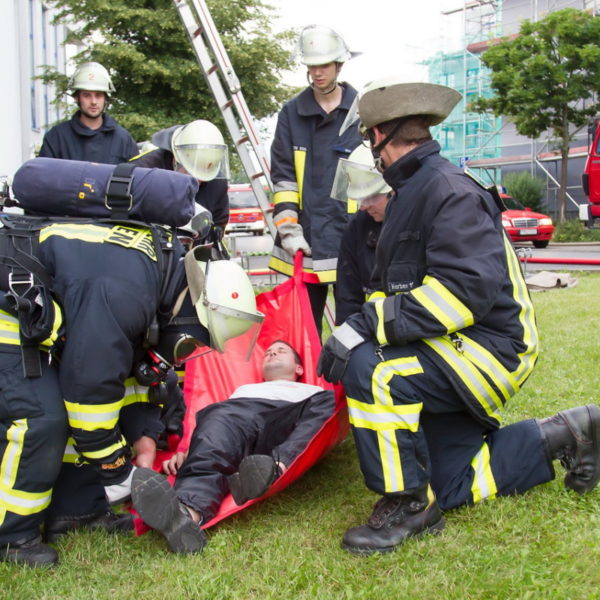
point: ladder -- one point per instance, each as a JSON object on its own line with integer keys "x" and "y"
{"x": 226, "y": 89}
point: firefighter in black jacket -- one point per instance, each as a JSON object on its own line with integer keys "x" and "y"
{"x": 431, "y": 365}
{"x": 90, "y": 135}
{"x": 118, "y": 286}
{"x": 197, "y": 148}
{"x": 358, "y": 181}
{"x": 307, "y": 145}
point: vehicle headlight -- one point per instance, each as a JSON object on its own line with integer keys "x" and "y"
{"x": 506, "y": 223}
{"x": 545, "y": 221}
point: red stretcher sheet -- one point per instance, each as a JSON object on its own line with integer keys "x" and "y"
{"x": 213, "y": 377}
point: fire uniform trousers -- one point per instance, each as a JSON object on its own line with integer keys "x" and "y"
{"x": 107, "y": 280}
{"x": 304, "y": 157}
{"x": 355, "y": 265}
{"x": 458, "y": 339}
{"x": 111, "y": 143}
{"x": 226, "y": 432}
{"x": 212, "y": 195}
{"x": 33, "y": 432}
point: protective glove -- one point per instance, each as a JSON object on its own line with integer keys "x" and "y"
{"x": 292, "y": 239}
{"x": 338, "y": 348}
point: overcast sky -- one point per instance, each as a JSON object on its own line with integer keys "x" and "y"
{"x": 393, "y": 35}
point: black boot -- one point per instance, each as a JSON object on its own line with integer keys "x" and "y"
{"x": 31, "y": 552}
{"x": 395, "y": 518}
{"x": 255, "y": 475}
{"x": 573, "y": 437}
{"x": 160, "y": 508}
{"x": 107, "y": 520}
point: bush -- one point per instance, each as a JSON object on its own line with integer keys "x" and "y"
{"x": 574, "y": 230}
{"x": 526, "y": 188}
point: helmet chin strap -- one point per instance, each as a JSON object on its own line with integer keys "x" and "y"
{"x": 376, "y": 150}
{"x": 312, "y": 85}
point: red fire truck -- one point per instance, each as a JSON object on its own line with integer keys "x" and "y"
{"x": 591, "y": 178}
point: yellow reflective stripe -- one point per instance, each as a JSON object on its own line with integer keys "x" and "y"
{"x": 99, "y": 454}
{"x": 352, "y": 206}
{"x": 71, "y": 455}
{"x": 9, "y": 328}
{"x": 485, "y": 361}
{"x": 121, "y": 235}
{"x": 17, "y": 501}
{"x": 391, "y": 461}
{"x": 90, "y": 417}
{"x": 134, "y": 392}
{"x": 471, "y": 377}
{"x": 299, "y": 166}
{"x": 383, "y": 373}
{"x": 384, "y": 418}
{"x": 443, "y": 304}
{"x": 285, "y": 219}
{"x": 285, "y": 196}
{"x": 484, "y": 485}
{"x": 376, "y": 296}
{"x": 526, "y": 315}
{"x": 380, "y": 322}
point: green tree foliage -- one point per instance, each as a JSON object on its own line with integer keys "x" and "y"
{"x": 526, "y": 188}
{"x": 546, "y": 78}
{"x": 158, "y": 80}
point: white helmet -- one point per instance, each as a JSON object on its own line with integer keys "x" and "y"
{"x": 320, "y": 45}
{"x": 93, "y": 77}
{"x": 224, "y": 300}
{"x": 200, "y": 149}
{"x": 356, "y": 177}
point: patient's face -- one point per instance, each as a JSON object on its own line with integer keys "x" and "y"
{"x": 279, "y": 362}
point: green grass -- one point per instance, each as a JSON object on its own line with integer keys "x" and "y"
{"x": 543, "y": 544}
{"x": 573, "y": 230}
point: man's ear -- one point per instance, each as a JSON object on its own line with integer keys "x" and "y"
{"x": 299, "y": 371}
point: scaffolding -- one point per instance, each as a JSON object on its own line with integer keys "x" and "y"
{"x": 483, "y": 142}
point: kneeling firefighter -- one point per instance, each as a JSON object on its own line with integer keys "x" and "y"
{"x": 131, "y": 301}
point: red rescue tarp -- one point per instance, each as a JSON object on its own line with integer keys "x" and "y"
{"x": 213, "y": 377}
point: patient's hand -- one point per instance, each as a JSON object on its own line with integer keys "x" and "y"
{"x": 171, "y": 466}
{"x": 145, "y": 452}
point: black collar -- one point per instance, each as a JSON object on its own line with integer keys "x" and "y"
{"x": 406, "y": 166}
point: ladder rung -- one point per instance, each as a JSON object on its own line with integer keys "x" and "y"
{"x": 227, "y": 104}
{"x": 214, "y": 67}
{"x": 243, "y": 140}
{"x": 257, "y": 175}
{"x": 198, "y": 32}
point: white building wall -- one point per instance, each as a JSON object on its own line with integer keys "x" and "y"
{"x": 29, "y": 41}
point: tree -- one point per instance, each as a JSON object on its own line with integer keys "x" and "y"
{"x": 158, "y": 80}
{"x": 526, "y": 188}
{"x": 547, "y": 78}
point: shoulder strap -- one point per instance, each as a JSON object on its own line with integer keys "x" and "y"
{"x": 118, "y": 192}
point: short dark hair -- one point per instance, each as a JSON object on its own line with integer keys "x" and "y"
{"x": 297, "y": 356}
{"x": 409, "y": 130}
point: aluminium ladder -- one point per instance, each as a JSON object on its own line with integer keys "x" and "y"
{"x": 226, "y": 89}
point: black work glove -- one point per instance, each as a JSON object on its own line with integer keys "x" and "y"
{"x": 338, "y": 348}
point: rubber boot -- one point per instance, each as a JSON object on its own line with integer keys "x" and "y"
{"x": 573, "y": 437}
{"x": 106, "y": 520}
{"x": 394, "y": 519}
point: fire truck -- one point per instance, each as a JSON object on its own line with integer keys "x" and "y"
{"x": 590, "y": 212}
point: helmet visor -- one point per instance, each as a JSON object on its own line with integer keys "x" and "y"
{"x": 203, "y": 161}
{"x": 188, "y": 348}
{"x": 355, "y": 182}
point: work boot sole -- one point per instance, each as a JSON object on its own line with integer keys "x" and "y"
{"x": 434, "y": 529}
{"x": 158, "y": 506}
{"x": 572, "y": 480}
{"x": 255, "y": 475}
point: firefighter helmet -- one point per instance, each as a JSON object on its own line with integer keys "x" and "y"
{"x": 92, "y": 77}
{"x": 356, "y": 177}
{"x": 388, "y": 99}
{"x": 320, "y": 45}
{"x": 223, "y": 298}
{"x": 200, "y": 149}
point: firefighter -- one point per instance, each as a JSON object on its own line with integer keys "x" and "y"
{"x": 197, "y": 148}
{"x": 304, "y": 156}
{"x": 357, "y": 181}
{"x": 91, "y": 134}
{"x": 427, "y": 369}
{"x": 121, "y": 289}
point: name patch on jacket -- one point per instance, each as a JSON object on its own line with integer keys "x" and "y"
{"x": 128, "y": 237}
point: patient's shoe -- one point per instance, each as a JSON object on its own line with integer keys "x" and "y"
{"x": 255, "y": 475}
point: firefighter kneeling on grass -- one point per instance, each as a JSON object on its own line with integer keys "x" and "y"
{"x": 116, "y": 287}
{"x": 429, "y": 364}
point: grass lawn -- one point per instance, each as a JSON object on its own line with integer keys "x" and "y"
{"x": 544, "y": 544}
